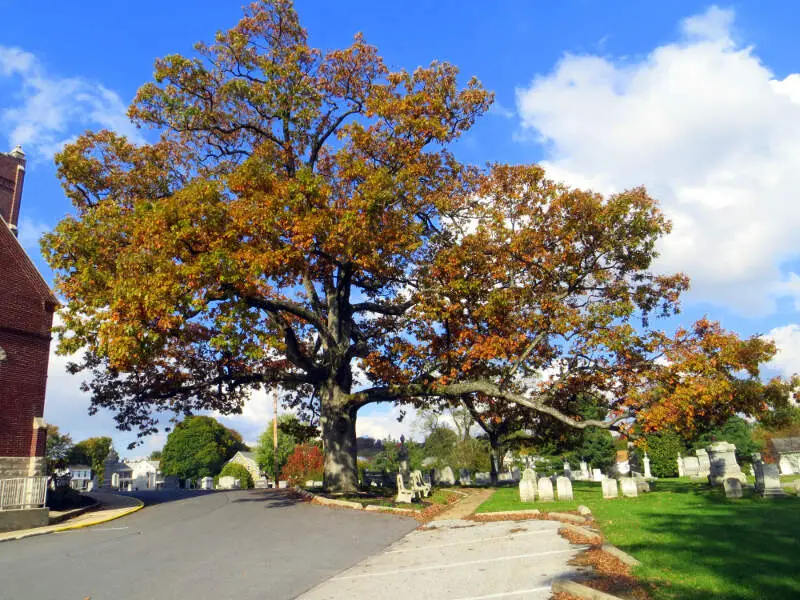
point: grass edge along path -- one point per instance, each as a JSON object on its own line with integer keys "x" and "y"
{"x": 693, "y": 542}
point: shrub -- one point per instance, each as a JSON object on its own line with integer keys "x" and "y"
{"x": 663, "y": 449}
{"x": 306, "y": 462}
{"x": 239, "y": 472}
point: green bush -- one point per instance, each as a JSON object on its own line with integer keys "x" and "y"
{"x": 663, "y": 449}
{"x": 239, "y": 472}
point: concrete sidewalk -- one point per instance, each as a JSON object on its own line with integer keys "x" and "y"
{"x": 460, "y": 560}
{"x": 112, "y": 506}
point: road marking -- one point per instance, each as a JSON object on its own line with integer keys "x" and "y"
{"x": 451, "y": 565}
{"x": 507, "y": 594}
{"x": 480, "y": 541}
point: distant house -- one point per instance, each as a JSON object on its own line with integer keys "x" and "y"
{"x": 116, "y": 474}
{"x": 786, "y": 452}
{"x": 248, "y": 461}
{"x": 146, "y": 474}
{"x": 80, "y": 477}
{"x": 26, "y": 317}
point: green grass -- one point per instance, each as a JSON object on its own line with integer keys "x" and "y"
{"x": 693, "y": 542}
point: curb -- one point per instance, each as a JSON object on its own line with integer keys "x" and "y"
{"x": 72, "y": 513}
{"x": 75, "y": 526}
{"x": 580, "y": 591}
{"x": 621, "y": 555}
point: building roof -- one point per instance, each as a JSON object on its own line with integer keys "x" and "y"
{"x": 79, "y": 467}
{"x": 786, "y": 445}
{"x": 10, "y": 246}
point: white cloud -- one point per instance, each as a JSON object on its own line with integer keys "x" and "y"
{"x": 380, "y": 422}
{"x": 30, "y": 233}
{"x": 787, "y": 339}
{"x": 44, "y": 111}
{"x": 713, "y": 135}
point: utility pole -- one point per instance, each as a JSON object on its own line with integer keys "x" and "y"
{"x": 275, "y": 435}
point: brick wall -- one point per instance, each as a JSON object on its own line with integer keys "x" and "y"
{"x": 12, "y": 175}
{"x": 26, "y": 317}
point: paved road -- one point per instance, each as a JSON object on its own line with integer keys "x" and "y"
{"x": 243, "y": 544}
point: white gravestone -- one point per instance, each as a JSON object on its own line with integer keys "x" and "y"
{"x": 545, "y": 489}
{"x": 691, "y": 466}
{"x": 505, "y": 477}
{"x": 483, "y": 478}
{"x": 228, "y": 483}
{"x": 527, "y": 486}
{"x": 115, "y": 481}
{"x": 786, "y": 466}
{"x": 733, "y": 487}
{"x": 567, "y": 470}
{"x": 447, "y": 477}
{"x": 723, "y": 463}
{"x": 584, "y": 471}
{"x": 610, "y": 489}
{"x": 597, "y": 475}
{"x": 564, "y": 488}
{"x": 628, "y": 485}
{"x": 206, "y": 483}
{"x": 646, "y": 461}
{"x": 772, "y": 481}
{"x": 681, "y": 471}
{"x": 704, "y": 462}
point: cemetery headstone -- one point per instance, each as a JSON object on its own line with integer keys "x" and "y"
{"x": 646, "y": 462}
{"x": 758, "y": 473}
{"x": 207, "y": 483}
{"x": 447, "y": 477}
{"x": 115, "y": 481}
{"x": 567, "y": 470}
{"x": 681, "y": 471}
{"x": 483, "y": 478}
{"x": 597, "y": 475}
{"x": 733, "y": 487}
{"x": 628, "y": 485}
{"x": 564, "y": 488}
{"x": 691, "y": 466}
{"x": 584, "y": 471}
{"x": 704, "y": 462}
{"x": 464, "y": 477}
{"x": 515, "y": 474}
{"x": 504, "y": 477}
{"x": 610, "y": 489}
{"x": 527, "y": 490}
{"x": 723, "y": 463}
{"x": 545, "y": 489}
{"x": 772, "y": 481}
{"x": 641, "y": 484}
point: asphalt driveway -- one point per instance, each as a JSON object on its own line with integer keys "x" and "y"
{"x": 240, "y": 544}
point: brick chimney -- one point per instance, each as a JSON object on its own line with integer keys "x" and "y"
{"x": 12, "y": 175}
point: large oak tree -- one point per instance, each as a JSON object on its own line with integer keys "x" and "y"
{"x": 300, "y": 212}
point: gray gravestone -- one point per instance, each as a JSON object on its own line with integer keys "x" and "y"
{"x": 545, "y": 489}
{"x": 691, "y": 466}
{"x": 733, "y": 487}
{"x": 564, "y": 488}
{"x": 723, "y": 463}
{"x": 628, "y": 485}
{"x": 772, "y": 481}
{"x": 758, "y": 473}
{"x": 610, "y": 489}
{"x": 464, "y": 477}
{"x": 483, "y": 478}
{"x": 704, "y": 462}
{"x": 567, "y": 470}
{"x": 515, "y": 474}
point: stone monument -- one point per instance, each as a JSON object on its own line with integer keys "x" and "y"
{"x": 770, "y": 481}
{"x": 564, "y": 488}
{"x": 704, "y": 462}
{"x": 527, "y": 486}
{"x": 628, "y": 485}
{"x": 733, "y": 487}
{"x": 545, "y": 489}
{"x": 722, "y": 456}
{"x": 646, "y": 462}
{"x": 610, "y": 489}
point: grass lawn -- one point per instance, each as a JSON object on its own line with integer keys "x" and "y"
{"x": 693, "y": 542}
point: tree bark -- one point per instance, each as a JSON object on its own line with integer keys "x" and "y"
{"x": 497, "y": 458}
{"x": 338, "y": 421}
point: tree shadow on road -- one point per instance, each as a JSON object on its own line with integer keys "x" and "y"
{"x": 270, "y": 498}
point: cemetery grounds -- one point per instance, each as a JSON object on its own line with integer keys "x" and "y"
{"x": 692, "y": 541}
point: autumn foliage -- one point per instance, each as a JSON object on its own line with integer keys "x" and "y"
{"x": 299, "y": 213}
{"x": 304, "y": 463}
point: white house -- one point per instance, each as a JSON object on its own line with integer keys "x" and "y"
{"x": 145, "y": 474}
{"x": 80, "y": 477}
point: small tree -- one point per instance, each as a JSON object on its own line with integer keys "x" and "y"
{"x": 92, "y": 452}
{"x": 57, "y": 449}
{"x": 471, "y": 454}
{"x": 265, "y": 451}
{"x": 240, "y": 472}
{"x": 199, "y": 447}
{"x": 155, "y": 455}
{"x": 440, "y": 444}
{"x": 663, "y": 449}
{"x": 304, "y": 463}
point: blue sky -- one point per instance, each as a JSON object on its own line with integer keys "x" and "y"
{"x": 699, "y": 102}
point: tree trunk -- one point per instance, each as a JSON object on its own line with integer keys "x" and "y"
{"x": 497, "y": 458}
{"x": 338, "y": 421}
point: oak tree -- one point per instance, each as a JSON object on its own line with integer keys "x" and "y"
{"x": 300, "y": 211}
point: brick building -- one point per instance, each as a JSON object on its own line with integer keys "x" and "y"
{"x": 26, "y": 317}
